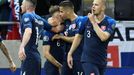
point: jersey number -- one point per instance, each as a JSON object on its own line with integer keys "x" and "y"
{"x": 88, "y": 34}
{"x": 79, "y": 73}
{"x": 37, "y": 35}
{"x": 58, "y": 43}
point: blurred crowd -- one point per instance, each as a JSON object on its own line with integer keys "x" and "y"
{"x": 5, "y": 15}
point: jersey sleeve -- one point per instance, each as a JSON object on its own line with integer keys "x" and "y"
{"x": 27, "y": 21}
{"x": 46, "y": 38}
{"x": 81, "y": 25}
{"x": 47, "y": 26}
{"x": 111, "y": 26}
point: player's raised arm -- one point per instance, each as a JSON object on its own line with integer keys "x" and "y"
{"x": 95, "y": 20}
{"x": 101, "y": 34}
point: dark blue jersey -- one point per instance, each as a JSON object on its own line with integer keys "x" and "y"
{"x": 37, "y": 24}
{"x": 94, "y": 50}
{"x": 71, "y": 30}
{"x": 55, "y": 46}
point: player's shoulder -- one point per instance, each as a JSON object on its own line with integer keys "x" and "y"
{"x": 66, "y": 22}
{"x": 83, "y": 18}
{"x": 110, "y": 20}
{"x": 47, "y": 35}
{"x": 41, "y": 19}
{"x": 27, "y": 17}
{"x": 38, "y": 17}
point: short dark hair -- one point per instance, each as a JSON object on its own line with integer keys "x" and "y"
{"x": 53, "y": 9}
{"x": 34, "y": 2}
{"x": 67, "y": 3}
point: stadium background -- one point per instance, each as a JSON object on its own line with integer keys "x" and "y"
{"x": 120, "y": 50}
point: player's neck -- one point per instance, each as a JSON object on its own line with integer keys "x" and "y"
{"x": 31, "y": 10}
{"x": 73, "y": 16}
{"x": 99, "y": 18}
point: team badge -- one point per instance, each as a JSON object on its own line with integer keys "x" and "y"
{"x": 73, "y": 26}
{"x": 45, "y": 38}
{"x": 92, "y": 73}
{"x": 26, "y": 19}
{"x": 103, "y": 28}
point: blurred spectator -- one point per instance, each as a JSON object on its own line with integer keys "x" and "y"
{"x": 55, "y": 2}
{"x": 77, "y": 5}
{"x": 9, "y": 12}
{"x": 13, "y": 34}
{"x": 5, "y": 12}
{"x": 86, "y": 11}
{"x": 43, "y": 6}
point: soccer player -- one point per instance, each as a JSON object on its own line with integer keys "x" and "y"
{"x": 32, "y": 26}
{"x": 96, "y": 31}
{"x": 67, "y": 12}
{"x": 6, "y": 53}
{"x": 52, "y": 50}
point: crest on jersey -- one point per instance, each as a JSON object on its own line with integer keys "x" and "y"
{"x": 45, "y": 38}
{"x": 103, "y": 28}
{"x": 92, "y": 73}
{"x": 72, "y": 26}
{"x": 26, "y": 19}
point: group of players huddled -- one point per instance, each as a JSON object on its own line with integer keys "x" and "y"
{"x": 72, "y": 44}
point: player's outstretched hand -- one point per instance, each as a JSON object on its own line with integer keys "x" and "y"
{"x": 70, "y": 60}
{"x": 12, "y": 66}
{"x": 21, "y": 53}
